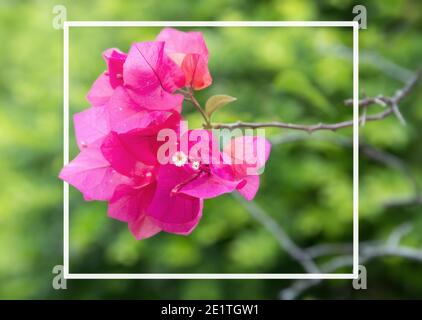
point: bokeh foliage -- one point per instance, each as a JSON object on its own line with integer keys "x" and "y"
{"x": 294, "y": 75}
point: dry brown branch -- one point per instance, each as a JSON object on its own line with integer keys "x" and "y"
{"x": 392, "y": 103}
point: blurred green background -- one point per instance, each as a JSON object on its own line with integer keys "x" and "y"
{"x": 288, "y": 74}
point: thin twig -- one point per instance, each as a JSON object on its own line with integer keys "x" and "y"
{"x": 405, "y": 202}
{"x": 307, "y": 128}
{"x": 397, "y": 235}
{"x": 368, "y": 252}
{"x": 398, "y": 114}
{"x": 392, "y": 102}
{"x": 327, "y": 249}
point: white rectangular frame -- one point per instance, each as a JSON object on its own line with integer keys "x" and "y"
{"x": 354, "y": 24}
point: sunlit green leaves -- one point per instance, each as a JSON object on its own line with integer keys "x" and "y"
{"x": 289, "y": 81}
{"x": 254, "y": 250}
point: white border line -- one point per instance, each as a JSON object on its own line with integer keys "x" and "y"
{"x": 356, "y": 149}
{"x": 113, "y": 276}
{"x": 65, "y": 148}
{"x": 92, "y": 276}
{"x": 210, "y": 23}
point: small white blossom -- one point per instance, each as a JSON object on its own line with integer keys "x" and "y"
{"x": 179, "y": 159}
{"x": 195, "y": 165}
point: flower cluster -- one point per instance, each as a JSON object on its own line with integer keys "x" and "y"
{"x": 122, "y": 145}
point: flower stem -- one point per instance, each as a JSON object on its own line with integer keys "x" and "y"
{"x": 196, "y": 104}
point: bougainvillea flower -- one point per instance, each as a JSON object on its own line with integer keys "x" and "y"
{"x": 151, "y": 77}
{"x": 137, "y": 154}
{"x": 104, "y": 86}
{"x": 189, "y": 51}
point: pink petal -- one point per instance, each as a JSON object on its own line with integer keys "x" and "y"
{"x": 208, "y": 186}
{"x": 103, "y": 87}
{"x": 115, "y": 60}
{"x": 131, "y": 153}
{"x": 101, "y": 91}
{"x": 174, "y": 212}
{"x": 249, "y": 187}
{"x": 124, "y": 114}
{"x": 91, "y": 125}
{"x": 189, "y": 51}
{"x": 203, "y": 147}
{"x": 91, "y": 174}
{"x": 196, "y": 71}
{"x": 248, "y": 154}
{"x": 143, "y": 228}
{"x": 183, "y": 42}
{"x": 162, "y": 120}
{"x": 129, "y": 203}
{"x": 152, "y": 77}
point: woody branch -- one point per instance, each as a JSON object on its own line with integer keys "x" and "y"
{"x": 343, "y": 257}
{"x": 391, "y": 102}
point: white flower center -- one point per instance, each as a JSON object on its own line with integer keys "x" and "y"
{"x": 179, "y": 159}
{"x": 195, "y": 165}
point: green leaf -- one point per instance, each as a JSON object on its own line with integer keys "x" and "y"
{"x": 216, "y": 102}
